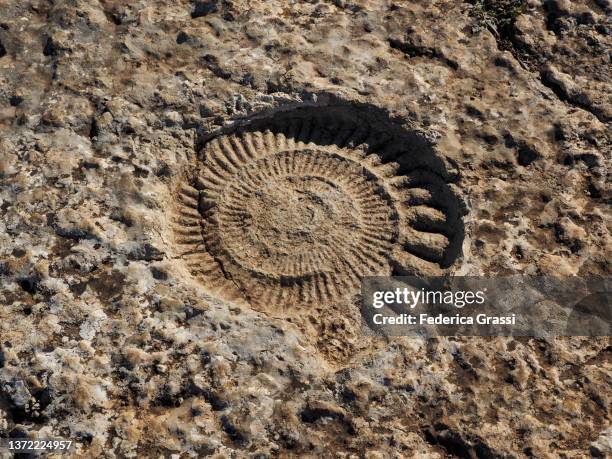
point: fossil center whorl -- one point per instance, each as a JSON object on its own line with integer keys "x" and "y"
{"x": 298, "y": 213}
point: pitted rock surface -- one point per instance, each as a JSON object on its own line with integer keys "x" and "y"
{"x": 137, "y": 340}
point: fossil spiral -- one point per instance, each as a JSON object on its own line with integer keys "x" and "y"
{"x": 301, "y": 209}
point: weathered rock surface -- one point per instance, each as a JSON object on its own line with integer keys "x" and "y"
{"x": 108, "y": 337}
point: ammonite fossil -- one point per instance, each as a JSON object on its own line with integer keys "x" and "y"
{"x": 300, "y": 207}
